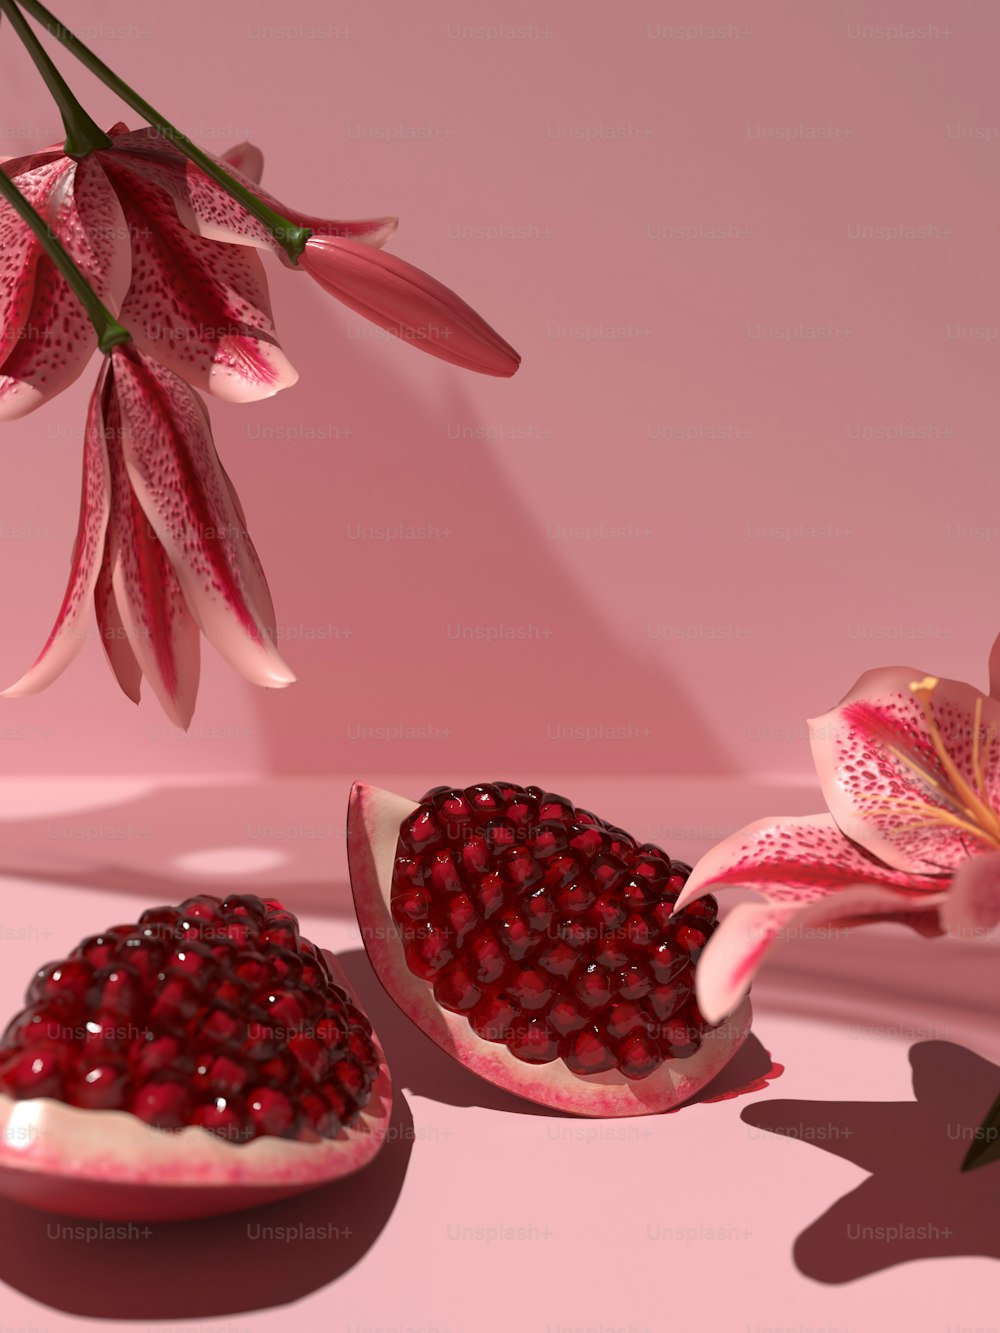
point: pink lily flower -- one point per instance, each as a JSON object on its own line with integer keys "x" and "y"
{"x": 172, "y": 255}
{"x": 342, "y": 257}
{"x": 201, "y": 308}
{"x": 909, "y": 766}
{"x": 161, "y": 547}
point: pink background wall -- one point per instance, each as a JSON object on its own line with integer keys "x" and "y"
{"x": 762, "y": 569}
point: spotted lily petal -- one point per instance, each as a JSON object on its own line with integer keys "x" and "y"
{"x": 159, "y": 628}
{"x": 19, "y": 248}
{"x": 207, "y": 210}
{"x": 810, "y": 875}
{"x": 114, "y": 635}
{"x": 201, "y": 308}
{"x": 912, "y": 774}
{"x": 750, "y": 931}
{"x": 407, "y": 302}
{"x": 70, "y": 630}
{"x": 798, "y": 861}
{"x": 181, "y": 488}
{"x": 57, "y": 340}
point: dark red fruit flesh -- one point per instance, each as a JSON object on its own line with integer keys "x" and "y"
{"x": 214, "y": 1013}
{"x": 550, "y": 930}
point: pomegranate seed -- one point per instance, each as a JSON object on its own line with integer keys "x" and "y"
{"x": 566, "y": 1016}
{"x": 493, "y": 1018}
{"x": 100, "y": 1088}
{"x": 588, "y": 1052}
{"x": 490, "y": 895}
{"x": 530, "y": 987}
{"x": 533, "y": 1041}
{"x": 593, "y": 986}
{"x": 270, "y": 1111}
{"x": 456, "y": 989}
{"x": 623, "y": 1017}
{"x": 639, "y": 1055}
{"x": 444, "y": 877}
{"x": 489, "y": 959}
{"x": 34, "y": 1072}
{"x": 61, "y": 985}
{"x": 165, "y": 1105}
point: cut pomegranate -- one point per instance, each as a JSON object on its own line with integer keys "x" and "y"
{"x": 203, "y": 1059}
{"x": 538, "y": 945}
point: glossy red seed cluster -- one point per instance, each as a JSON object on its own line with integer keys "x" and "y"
{"x": 551, "y": 930}
{"x": 214, "y": 1013}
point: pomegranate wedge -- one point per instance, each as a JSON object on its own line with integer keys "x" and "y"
{"x": 201, "y": 1060}
{"x": 538, "y": 945}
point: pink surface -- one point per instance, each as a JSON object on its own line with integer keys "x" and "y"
{"x": 752, "y": 276}
{"x": 485, "y": 1213}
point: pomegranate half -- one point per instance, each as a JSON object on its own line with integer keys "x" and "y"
{"x": 203, "y": 1059}
{"x": 538, "y": 945}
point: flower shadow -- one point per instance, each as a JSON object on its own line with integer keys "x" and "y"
{"x": 217, "y": 1267}
{"x": 916, "y": 1203}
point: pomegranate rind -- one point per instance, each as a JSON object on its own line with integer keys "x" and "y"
{"x": 373, "y": 821}
{"x": 110, "y": 1165}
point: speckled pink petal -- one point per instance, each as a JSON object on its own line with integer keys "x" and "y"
{"x": 247, "y": 159}
{"x": 973, "y": 905}
{"x": 207, "y": 210}
{"x": 260, "y": 593}
{"x": 160, "y": 630}
{"x": 199, "y": 307}
{"x": 57, "y": 339}
{"x": 114, "y": 636}
{"x": 70, "y": 630}
{"x": 409, "y": 303}
{"x": 798, "y": 861}
{"x": 748, "y": 933}
{"x": 35, "y": 177}
{"x": 180, "y": 485}
{"x": 876, "y": 761}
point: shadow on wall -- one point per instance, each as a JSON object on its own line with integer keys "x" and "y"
{"x": 396, "y": 548}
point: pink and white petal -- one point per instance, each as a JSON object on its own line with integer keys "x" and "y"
{"x": 58, "y": 339}
{"x": 247, "y": 159}
{"x": 799, "y": 860}
{"x": 36, "y": 177}
{"x": 260, "y": 593}
{"x": 207, "y": 210}
{"x": 750, "y": 931}
{"x": 883, "y": 780}
{"x": 179, "y": 482}
{"x": 973, "y": 905}
{"x": 159, "y": 628}
{"x": 409, "y": 303}
{"x": 69, "y": 632}
{"x": 200, "y": 308}
{"x": 114, "y": 636}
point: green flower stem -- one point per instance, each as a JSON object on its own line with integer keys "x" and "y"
{"x": 109, "y": 332}
{"x": 83, "y": 135}
{"x": 288, "y": 235}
